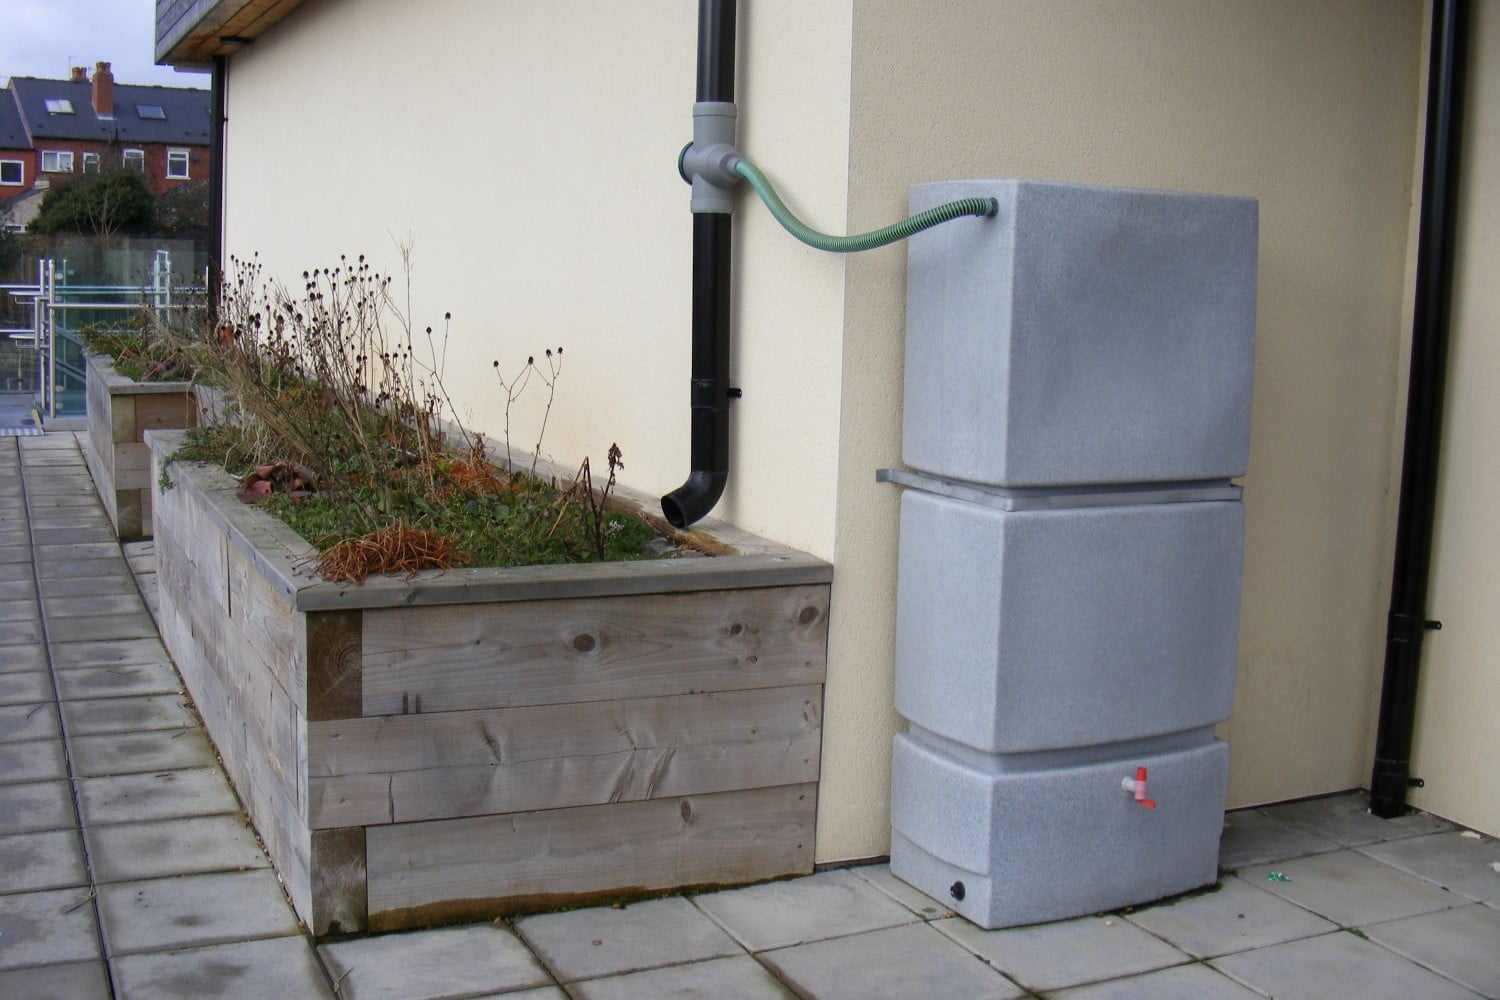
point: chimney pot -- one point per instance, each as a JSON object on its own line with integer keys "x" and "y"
{"x": 104, "y": 91}
{"x": 80, "y": 74}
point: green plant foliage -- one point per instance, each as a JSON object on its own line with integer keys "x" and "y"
{"x": 182, "y": 210}
{"x": 138, "y": 356}
{"x": 101, "y": 204}
{"x": 527, "y": 522}
{"x": 332, "y": 382}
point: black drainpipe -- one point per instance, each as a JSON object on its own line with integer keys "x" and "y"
{"x": 1424, "y": 408}
{"x": 711, "y": 245}
{"x": 216, "y": 182}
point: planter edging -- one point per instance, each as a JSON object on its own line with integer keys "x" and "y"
{"x": 420, "y": 751}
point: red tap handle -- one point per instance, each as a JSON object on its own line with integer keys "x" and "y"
{"x": 1140, "y": 789}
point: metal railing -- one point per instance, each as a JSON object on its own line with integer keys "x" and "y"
{"x": 53, "y": 302}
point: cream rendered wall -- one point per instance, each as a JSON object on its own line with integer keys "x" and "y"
{"x": 527, "y": 150}
{"x": 1458, "y": 716}
{"x": 1310, "y": 107}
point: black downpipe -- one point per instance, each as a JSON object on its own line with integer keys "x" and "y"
{"x": 216, "y": 181}
{"x": 1424, "y": 408}
{"x": 711, "y": 255}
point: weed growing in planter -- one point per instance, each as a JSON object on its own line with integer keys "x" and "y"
{"x": 321, "y": 399}
{"x": 143, "y": 351}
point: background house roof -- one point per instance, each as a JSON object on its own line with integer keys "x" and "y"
{"x": 12, "y": 129}
{"x": 188, "y": 113}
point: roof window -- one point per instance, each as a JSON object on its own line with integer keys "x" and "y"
{"x": 151, "y": 111}
{"x": 59, "y": 106}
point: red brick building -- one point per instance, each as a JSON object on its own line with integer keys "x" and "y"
{"x": 51, "y": 130}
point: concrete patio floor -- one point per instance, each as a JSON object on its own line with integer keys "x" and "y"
{"x": 127, "y": 869}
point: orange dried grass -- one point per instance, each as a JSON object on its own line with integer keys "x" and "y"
{"x": 473, "y": 477}
{"x": 397, "y": 549}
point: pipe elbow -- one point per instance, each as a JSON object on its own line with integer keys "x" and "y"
{"x": 693, "y": 500}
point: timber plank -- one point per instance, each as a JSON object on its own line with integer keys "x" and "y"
{"x": 338, "y": 881}
{"x": 334, "y": 664}
{"x": 485, "y": 866}
{"x": 164, "y": 411}
{"x": 121, "y": 410}
{"x": 275, "y": 634}
{"x": 548, "y": 652}
{"x": 518, "y": 760}
{"x": 493, "y": 736}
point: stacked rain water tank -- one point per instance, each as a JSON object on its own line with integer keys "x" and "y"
{"x": 1077, "y": 400}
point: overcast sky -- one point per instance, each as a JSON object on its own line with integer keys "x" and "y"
{"x": 45, "y": 37}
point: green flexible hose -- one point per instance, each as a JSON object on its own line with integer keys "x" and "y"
{"x": 863, "y": 241}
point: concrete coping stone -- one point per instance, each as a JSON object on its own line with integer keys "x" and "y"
{"x": 286, "y": 559}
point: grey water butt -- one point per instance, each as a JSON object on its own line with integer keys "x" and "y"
{"x": 1083, "y": 335}
{"x": 1067, "y": 614}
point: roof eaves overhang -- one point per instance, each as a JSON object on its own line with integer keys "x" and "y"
{"x": 189, "y": 33}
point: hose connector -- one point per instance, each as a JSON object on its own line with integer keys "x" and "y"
{"x": 709, "y": 162}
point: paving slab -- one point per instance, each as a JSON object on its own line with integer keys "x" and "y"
{"x": 97, "y": 604}
{"x": 58, "y": 484}
{"x": 73, "y": 981}
{"x": 19, "y": 588}
{"x": 604, "y": 941}
{"x": 84, "y": 586}
{"x": 38, "y": 805}
{"x": 67, "y": 654}
{"x": 124, "y": 715}
{"x": 1462, "y": 943}
{"x": 1238, "y": 917}
{"x": 84, "y": 530}
{"x": 1457, "y": 862}
{"x": 17, "y": 573}
{"x": 779, "y": 914}
{"x": 36, "y": 760}
{"x": 25, "y": 688}
{"x": 897, "y": 963}
{"x": 65, "y": 569}
{"x": 125, "y": 852}
{"x": 245, "y": 970}
{"x": 135, "y": 753}
{"x": 44, "y": 928}
{"x": 914, "y": 900}
{"x": 108, "y": 628}
{"x": 51, "y": 517}
{"x": 51, "y": 499}
{"x": 119, "y": 680}
{"x": 1336, "y": 965}
{"x": 541, "y": 993}
{"x": 20, "y": 610}
{"x": 428, "y": 965}
{"x": 29, "y": 722}
{"x": 1251, "y": 838}
{"x": 33, "y": 861}
{"x": 1182, "y": 982}
{"x": 738, "y": 978}
{"x": 1347, "y": 820}
{"x": 20, "y": 633}
{"x": 1069, "y": 953}
{"x": 1351, "y": 889}
{"x": 190, "y": 910}
{"x": 22, "y": 659}
{"x": 158, "y": 795}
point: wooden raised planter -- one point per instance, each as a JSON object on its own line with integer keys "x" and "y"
{"x": 478, "y": 742}
{"x": 120, "y": 411}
